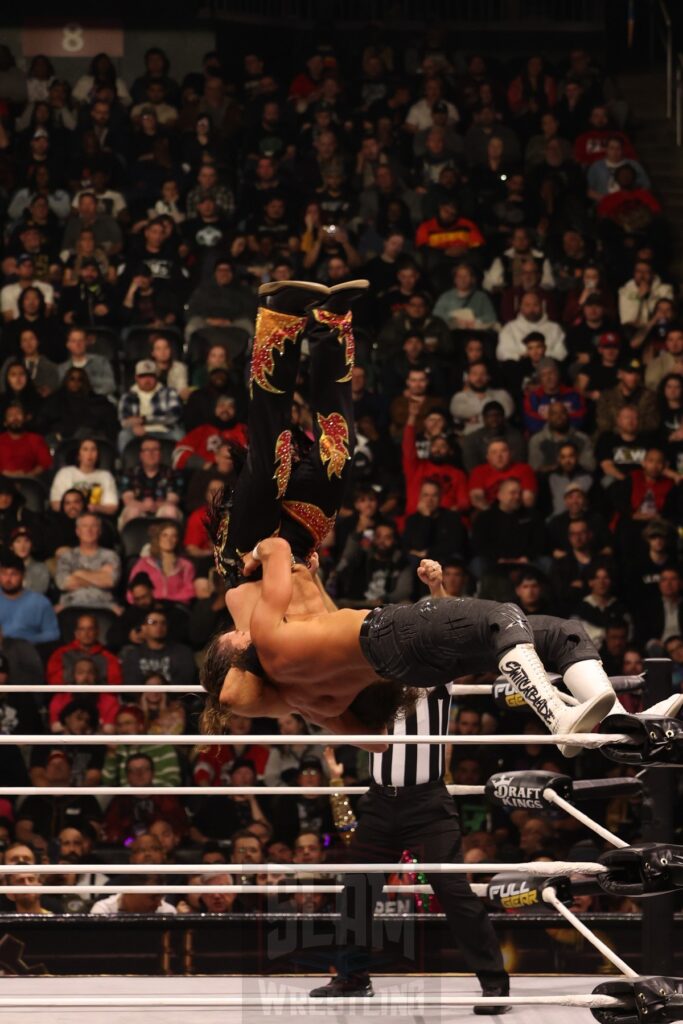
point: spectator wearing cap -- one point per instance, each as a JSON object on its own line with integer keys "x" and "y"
{"x": 98, "y": 368}
{"x": 637, "y": 298}
{"x": 25, "y": 274}
{"x": 669, "y": 360}
{"x": 23, "y": 613}
{"x": 36, "y": 574}
{"x": 485, "y": 479}
{"x": 558, "y": 430}
{"x": 494, "y": 425}
{"x": 467, "y": 405}
{"x": 601, "y": 372}
{"x": 218, "y": 817}
{"x": 292, "y": 815}
{"x": 566, "y": 473}
{"x": 655, "y": 551}
{"x": 551, "y": 391}
{"x": 630, "y": 391}
{"x": 148, "y": 408}
{"x": 421, "y": 114}
{"x": 23, "y": 453}
{"x": 530, "y": 318}
{"x": 465, "y": 306}
{"x": 90, "y": 302}
{"x": 576, "y": 507}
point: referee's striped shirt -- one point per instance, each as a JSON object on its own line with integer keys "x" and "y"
{"x": 411, "y": 764}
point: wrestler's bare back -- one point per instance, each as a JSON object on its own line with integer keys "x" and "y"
{"x": 316, "y": 686}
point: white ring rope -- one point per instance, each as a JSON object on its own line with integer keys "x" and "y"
{"x": 209, "y": 790}
{"x": 265, "y": 1002}
{"x": 554, "y": 798}
{"x": 545, "y": 869}
{"x": 179, "y": 890}
{"x": 621, "y": 684}
{"x": 550, "y": 896}
{"x": 588, "y": 739}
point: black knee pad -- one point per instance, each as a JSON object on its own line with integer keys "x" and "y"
{"x": 561, "y": 643}
{"x": 508, "y": 626}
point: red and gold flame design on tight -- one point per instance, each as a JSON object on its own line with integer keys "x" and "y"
{"x": 343, "y": 324}
{"x": 312, "y": 517}
{"x": 334, "y": 443}
{"x": 283, "y": 461}
{"x": 273, "y": 329}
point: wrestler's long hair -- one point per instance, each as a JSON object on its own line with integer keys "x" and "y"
{"x": 221, "y": 503}
{"x": 219, "y": 658}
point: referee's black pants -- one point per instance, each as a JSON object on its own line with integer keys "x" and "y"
{"x": 424, "y": 820}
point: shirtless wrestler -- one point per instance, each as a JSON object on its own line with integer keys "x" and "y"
{"x": 321, "y": 662}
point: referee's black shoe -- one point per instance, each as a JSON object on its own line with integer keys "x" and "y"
{"x": 341, "y": 988}
{"x": 491, "y": 991}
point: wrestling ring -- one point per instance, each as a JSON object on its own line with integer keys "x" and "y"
{"x": 649, "y": 869}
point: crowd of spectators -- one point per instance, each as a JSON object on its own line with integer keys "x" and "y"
{"x": 518, "y": 398}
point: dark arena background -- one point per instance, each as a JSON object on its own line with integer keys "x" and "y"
{"x": 501, "y": 180}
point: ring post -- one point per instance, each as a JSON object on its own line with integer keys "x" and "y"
{"x": 658, "y": 826}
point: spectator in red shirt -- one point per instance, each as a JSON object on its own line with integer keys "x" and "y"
{"x": 213, "y": 764}
{"x": 448, "y": 232}
{"x": 550, "y": 389}
{"x": 631, "y": 206}
{"x": 438, "y": 468}
{"x": 85, "y": 674}
{"x": 196, "y": 541}
{"x": 197, "y": 450}
{"x": 61, "y": 663}
{"x": 22, "y": 453}
{"x": 307, "y": 84}
{"x": 484, "y": 479}
{"x": 591, "y": 145}
{"x": 649, "y": 486}
{"x": 131, "y": 815}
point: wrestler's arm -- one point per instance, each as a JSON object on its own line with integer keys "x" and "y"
{"x": 269, "y": 611}
{"x": 430, "y": 573}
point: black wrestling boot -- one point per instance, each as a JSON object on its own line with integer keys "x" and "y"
{"x": 344, "y": 988}
{"x": 491, "y": 989}
{"x": 342, "y": 295}
{"x": 292, "y": 297}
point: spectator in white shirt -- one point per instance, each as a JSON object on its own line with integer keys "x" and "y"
{"x": 420, "y": 116}
{"x": 638, "y": 297}
{"x": 135, "y": 902}
{"x": 530, "y": 318}
{"x": 9, "y": 296}
{"x": 98, "y": 485}
{"x": 467, "y": 405}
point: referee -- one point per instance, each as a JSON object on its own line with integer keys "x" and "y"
{"x": 408, "y": 807}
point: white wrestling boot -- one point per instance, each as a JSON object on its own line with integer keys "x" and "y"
{"x": 522, "y": 667}
{"x": 586, "y": 677}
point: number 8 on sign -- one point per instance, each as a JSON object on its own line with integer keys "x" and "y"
{"x": 72, "y": 38}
